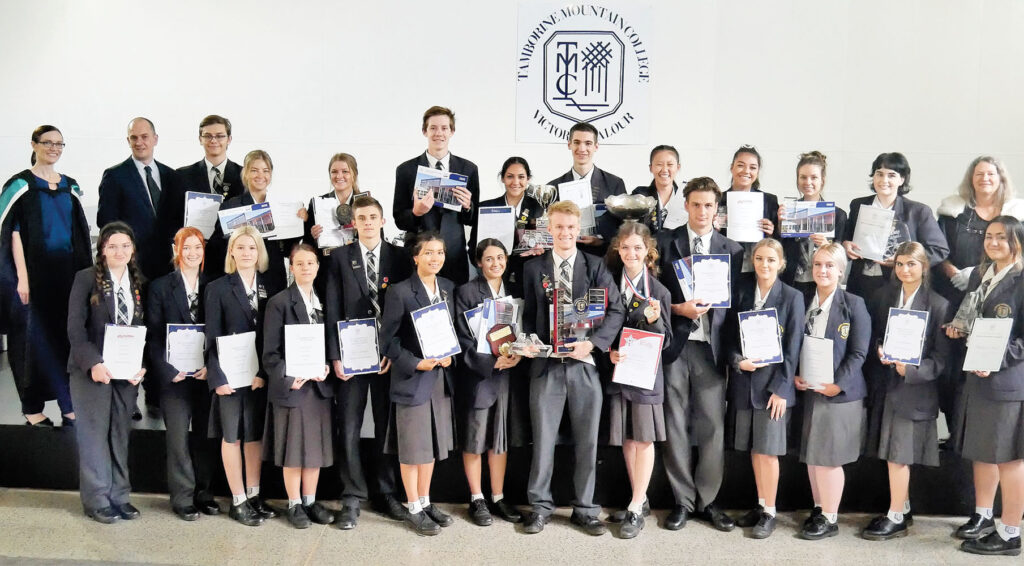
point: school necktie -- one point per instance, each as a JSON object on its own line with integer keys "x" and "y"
{"x": 435, "y": 299}
{"x": 439, "y": 166}
{"x": 122, "y": 308}
{"x": 698, "y": 246}
{"x": 193, "y": 306}
{"x": 982, "y": 294}
{"x": 154, "y": 190}
{"x": 315, "y": 316}
{"x": 564, "y": 286}
{"x": 371, "y": 281}
{"x": 218, "y": 181}
{"x": 254, "y": 305}
{"x": 809, "y": 321}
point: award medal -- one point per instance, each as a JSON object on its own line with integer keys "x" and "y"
{"x": 649, "y": 310}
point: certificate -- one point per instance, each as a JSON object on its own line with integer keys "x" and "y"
{"x": 874, "y": 225}
{"x": 259, "y": 216}
{"x": 237, "y": 356}
{"x": 496, "y": 222}
{"x": 759, "y": 336}
{"x": 904, "y": 336}
{"x": 359, "y": 349}
{"x": 746, "y": 209}
{"x": 711, "y": 274}
{"x": 305, "y": 351}
{"x": 287, "y": 223}
{"x": 334, "y": 234}
{"x": 816, "y": 365}
{"x": 580, "y": 193}
{"x": 643, "y": 358}
{"x": 122, "y": 350}
{"x": 473, "y": 318}
{"x": 684, "y": 274}
{"x": 986, "y": 345}
{"x": 487, "y": 319}
{"x": 675, "y": 212}
{"x": 435, "y": 332}
{"x": 804, "y": 218}
{"x": 201, "y": 211}
{"x": 186, "y": 346}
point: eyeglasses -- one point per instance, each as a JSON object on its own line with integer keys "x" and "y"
{"x": 51, "y": 144}
{"x": 211, "y": 137}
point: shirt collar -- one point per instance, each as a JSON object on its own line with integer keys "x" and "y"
{"x": 311, "y": 302}
{"x": 189, "y": 289}
{"x": 590, "y": 174}
{"x": 706, "y": 238}
{"x": 432, "y": 161}
{"x": 558, "y": 259}
{"x": 375, "y": 250}
{"x": 125, "y": 281}
{"x": 878, "y": 204}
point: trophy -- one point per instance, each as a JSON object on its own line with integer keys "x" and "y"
{"x": 968, "y": 311}
{"x": 576, "y": 319}
{"x": 545, "y": 195}
{"x": 631, "y": 208}
{"x": 527, "y": 344}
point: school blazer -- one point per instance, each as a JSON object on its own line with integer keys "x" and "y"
{"x": 286, "y": 307}
{"x": 88, "y": 320}
{"x": 477, "y": 380}
{"x": 228, "y": 312}
{"x": 751, "y": 390}
{"x": 167, "y": 303}
{"x": 410, "y": 386}
{"x": 848, "y": 316}
{"x": 633, "y": 317}
{"x": 589, "y": 272}
{"x": 921, "y": 225}
{"x": 348, "y": 296}
{"x": 674, "y": 245}
{"x": 602, "y": 185}
{"x": 1004, "y": 301}
{"x": 916, "y": 396}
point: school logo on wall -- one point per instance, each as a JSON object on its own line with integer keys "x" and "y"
{"x": 582, "y": 63}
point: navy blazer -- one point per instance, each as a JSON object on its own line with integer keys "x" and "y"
{"x": 477, "y": 378}
{"x": 228, "y": 312}
{"x": 588, "y": 272}
{"x": 751, "y": 390}
{"x": 88, "y": 320}
{"x": 848, "y": 313}
{"x": 448, "y": 222}
{"x": 528, "y": 215}
{"x": 1005, "y": 300}
{"x": 124, "y": 196}
{"x": 674, "y": 245}
{"x": 915, "y": 396}
{"x": 410, "y": 386}
{"x": 348, "y": 296}
{"x": 195, "y": 178}
{"x": 167, "y": 303}
{"x": 602, "y": 185}
{"x": 654, "y": 221}
{"x": 633, "y": 317}
{"x": 791, "y": 248}
{"x": 286, "y": 307}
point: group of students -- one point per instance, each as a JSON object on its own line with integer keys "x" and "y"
{"x": 706, "y": 394}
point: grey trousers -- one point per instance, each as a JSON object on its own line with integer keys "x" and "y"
{"x": 694, "y": 415}
{"x": 576, "y": 384}
{"x": 350, "y": 398}
{"x": 104, "y": 414}
{"x": 190, "y": 455}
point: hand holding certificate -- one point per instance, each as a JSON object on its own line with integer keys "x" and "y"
{"x": 359, "y": 350}
{"x": 904, "y": 336}
{"x": 871, "y": 235}
{"x": 435, "y": 332}
{"x": 986, "y": 345}
{"x": 186, "y": 346}
{"x": 759, "y": 336}
{"x": 122, "y": 351}
{"x": 305, "y": 352}
{"x": 639, "y": 358}
{"x": 238, "y": 361}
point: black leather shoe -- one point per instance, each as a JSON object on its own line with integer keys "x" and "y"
{"x": 676, "y": 519}
{"x": 819, "y": 528}
{"x": 67, "y": 423}
{"x": 750, "y": 518}
{"x": 43, "y": 423}
{"x": 631, "y": 525}
{"x": 392, "y": 507}
{"x": 438, "y": 516}
{"x": 422, "y": 524}
{"x": 347, "y": 518}
{"x": 479, "y": 513}
{"x": 261, "y": 507}
{"x": 717, "y": 518}
{"x": 188, "y": 513}
{"x": 107, "y": 515}
{"x": 992, "y": 544}
{"x": 127, "y": 511}
{"x": 533, "y": 523}
{"x": 976, "y": 527}
{"x": 810, "y": 518}
{"x": 620, "y": 515}
{"x": 208, "y": 507}
{"x": 136, "y": 414}
{"x": 297, "y": 517}
{"x": 882, "y": 528}
{"x": 507, "y": 512}
{"x": 764, "y": 528}
{"x": 319, "y": 514}
{"x": 590, "y": 525}
{"x": 245, "y": 514}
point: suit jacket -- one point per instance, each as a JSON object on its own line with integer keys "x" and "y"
{"x": 167, "y": 303}
{"x": 528, "y": 215}
{"x": 88, "y": 320}
{"x": 1005, "y": 300}
{"x": 196, "y": 178}
{"x": 124, "y": 196}
{"x": 633, "y": 317}
{"x": 410, "y": 386}
{"x": 449, "y": 223}
{"x": 348, "y": 296}
{"x": 477, "y": 379}
{"x": 602, "y": 185}
{"x": 675, "y": 244}
{"x": 228, "y": 312}
{"x": 588, "y": 272}
{"x": 751, "y": 390}
{"x": 848, "y": 352}
{"x": 286, "y": 307}
{"x": 792, "y": 248}
{"x": 915, "y": 396}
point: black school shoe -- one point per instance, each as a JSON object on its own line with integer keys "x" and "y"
{"x": 976, "y": 527}
{"x": 590, "y": 525}
{"x": 620, "y": 515}
{"x": 319, "y": 514}
{"x": 261, "y": 507}
{"x": 765, "y": 526}
{"x": 819, "y": 528}
{"x": 632, "y": 525}
{"x": 810, "y": 518}
{"x": 992, "y": 545}
{"x": 718, "y": 518}
{"x": 297, "y": 517}
{"x": 479, "y": 513}
{"x": 245, "y": 514}
{"x": 391, "y": 507}
{"x": 750, "y": 518}
{"x": 422, "y": 524}
{"x": 507, "y": 512}
{"x": 882, "y": 528}
{"x": 106, "y": 515}
{"x": 438, "y": 516}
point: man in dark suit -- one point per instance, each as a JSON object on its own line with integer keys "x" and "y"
{"x": 358, "y": 279}
{"x": 695, "y": 382}
{"x": 133, "y": 192}
{"x": 583, "y": 144}
{"x": 415, "y": 215}
{"x": 571, "y": 380}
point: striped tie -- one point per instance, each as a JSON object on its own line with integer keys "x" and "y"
{"x": 371, "y": 282}
{"x": 315, "y": 316}
{"x": 218, "y": 182}
{"x": 698, "y": 246}
{"x": 435, "y": 299}
{"x": 122, "y": 308}
{"x": 193, "y": 306}
{"x": 564, "y": 286}
{"x": 809, "y": 323}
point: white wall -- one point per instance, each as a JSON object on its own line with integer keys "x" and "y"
{"x": 938, "y": 80}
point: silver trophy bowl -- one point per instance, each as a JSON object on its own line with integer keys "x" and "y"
{"x": 630, "y": 207}
{"x": 544, "y": 194}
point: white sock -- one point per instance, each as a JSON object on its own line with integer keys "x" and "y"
{"x": 770, "y": 510}
{"x": 1007, "y": 532}
{"x": 238, "y": 499}
{"x": 985, "y": 512}
{"x": 635, "y": 507}
{"x": 496, "y": 497}
{"x": 294, "y": 502}
{"x": 818, "y": 505}
{"x": 906, "y": 507}
{"x": 895, "y": 516}
{"x": 415, "y": 507}
{"x": 474, "y": 496}
{"x": 832, "y": 517}
{"x": 308, "y": 500}
{"x": 425, "y": 501}
{"x": 251, "y": 492}
{"x": 760, "y": 502}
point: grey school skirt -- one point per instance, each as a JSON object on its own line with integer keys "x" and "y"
{"x": 488, "y": 429}
{"x": 988, "y": 431}
{"x": 300, "y": 437}
{"x": 423, "y": 433}
{"x": 639, "y": 422}
{"x": 832, "y": 432}
{"x": 239, "y": 416}
{"x": 753, "y": 430}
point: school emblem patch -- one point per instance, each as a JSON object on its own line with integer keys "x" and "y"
{"x": 844, "y": 330}
{"x": 1002, "y": 310}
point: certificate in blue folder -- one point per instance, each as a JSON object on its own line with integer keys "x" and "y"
{"x": 358, "y": 343}
{"x": 759, "y": 336}
{"x": 435, "y": 331}
{"x": 904, "y": 336}
{"x": 712, "y": 279}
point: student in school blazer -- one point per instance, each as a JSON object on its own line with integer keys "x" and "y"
{"x": 1008, "y": 383}
{"x": 477, "y": 378}
{"x": 286, "y": 307}
{"x": 196, "y": 178}
{"x": 528, "y": 215}
{"x": 228, "y": 312}
{"x": 602, "y": 185}
{"x": 849, "y": 329}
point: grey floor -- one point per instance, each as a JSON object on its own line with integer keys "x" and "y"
{"x": 42, "y": 527}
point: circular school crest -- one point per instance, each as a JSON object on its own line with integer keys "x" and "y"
{"x": 844, "y": 330}
{"x": 1002, "y": 310}
{"x": 580, "y": 305}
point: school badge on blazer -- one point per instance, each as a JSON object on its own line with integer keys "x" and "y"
{"x": 1002, "y": 310}
{"x": 844, "y": 330}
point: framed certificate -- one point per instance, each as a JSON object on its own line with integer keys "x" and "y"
{"x": 759, "y": 336}
{"x": 435, "y": 331}
{"x": 904, "y": 336}
{"x": 357, "y": 341}
{"x": 186, "y": 347}
{"x": 712, "y": 279}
